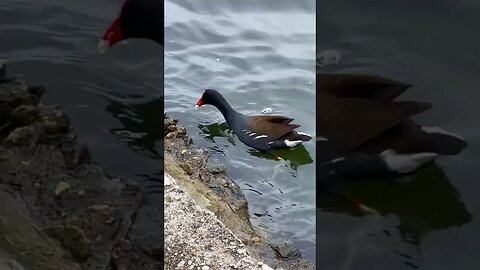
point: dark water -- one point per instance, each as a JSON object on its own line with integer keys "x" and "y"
{"x": 259, "y": 56}
{"x": 114, "y": 100}
{"x": 430, "y": 222}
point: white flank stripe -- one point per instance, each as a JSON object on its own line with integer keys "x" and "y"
{"x": 320, "y": 139}
{"x": 260, "y": 136}
{"x": 292, "y": 143}
{"x": 441, "y": 131}
{"x": 407, "y": 163}
{"x": 304, "y": 134}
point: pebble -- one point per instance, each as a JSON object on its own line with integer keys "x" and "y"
{"x": 206, "y": 267}
{"x": 62, "y": 186}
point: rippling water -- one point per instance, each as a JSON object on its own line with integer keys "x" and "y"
{"x": 430, "y": 222}
{"x": 114, "y": 100}
{"x": 259, "y": 56}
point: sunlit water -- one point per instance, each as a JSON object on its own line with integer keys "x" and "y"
{"x": 258, "y": 56}
{"x": 430, "y": 222}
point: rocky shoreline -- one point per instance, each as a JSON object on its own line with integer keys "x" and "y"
{"x": 206, "y": 183}
{"x": 62, "y": 211}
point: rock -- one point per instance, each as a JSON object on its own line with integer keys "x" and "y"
{"x": 132, "y": 186}
{"x": 99, "y": 207}
{"x": 36, "y": 90}
{"x": 20, "y": 136}
{"x": 62, "y": 186}
{"x": 214, "y": 166}
{"x": 56, "y": 122}
{"x": 14, "y": 93}
{"x": 3, "y": 69}
{"x": 14, "y": 265}
{"x": 171, "y": 135}
{"x": 25, "y": 114}
{"x": 181, "y": 130}
{"x": 187, "y": 168}
{"x": 168, "y": 180}
{"x": 266, "y": 267}
{"x": 286, "y": 250}
{"x": 72, "y": 238}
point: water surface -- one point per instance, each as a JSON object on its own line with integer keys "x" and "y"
{"x": 114, "y": 101}
{"x": 258, "y": 55}
{"x": 430, "y": 222}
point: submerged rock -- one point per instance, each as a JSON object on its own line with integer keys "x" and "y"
{"x": 73, "y": 239}
{"x": 214, "y": 166}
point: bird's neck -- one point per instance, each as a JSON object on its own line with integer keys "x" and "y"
{"x": 227, "y": 111}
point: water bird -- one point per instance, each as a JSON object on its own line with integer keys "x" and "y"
{"x": 137, "y": 19}
{"x": 262, "y": 132}
{"x": 363, "y": 131}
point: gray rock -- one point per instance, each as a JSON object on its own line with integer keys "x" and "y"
{"x": 286, "y": 250}
{"x": 215, "y": 166}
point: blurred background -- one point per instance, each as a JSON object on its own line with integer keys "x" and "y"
{"x": 428, "y": 222}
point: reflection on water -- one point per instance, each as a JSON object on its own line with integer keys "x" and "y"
{"x": 426, "y": 221}
{"x": 297, "y": 156}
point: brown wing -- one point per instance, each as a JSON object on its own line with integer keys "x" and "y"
{"x": 274, "y": 126}
{"x": 349, "y": 123}
{"x": 360, "y": 86}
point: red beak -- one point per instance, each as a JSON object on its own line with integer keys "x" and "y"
{"x": 113, "y": 35}
{"x": 199, "y": 104}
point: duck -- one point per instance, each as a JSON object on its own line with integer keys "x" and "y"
{"x": 143, "y": 19}
{"x": 261, "y": 132}
{"x": 363, "y": 132}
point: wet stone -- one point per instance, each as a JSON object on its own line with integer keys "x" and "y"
{"x": 25, "y": 114}
{"x": 72, "y": 238}
{"x": 286, "y": 250}
{"x": 56, "y": 122}
{"x": 181, "y": 130}
{"x": 132, "y": 186}
{"x": 214, "y": 166}
{"x": 20, "y": 136}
